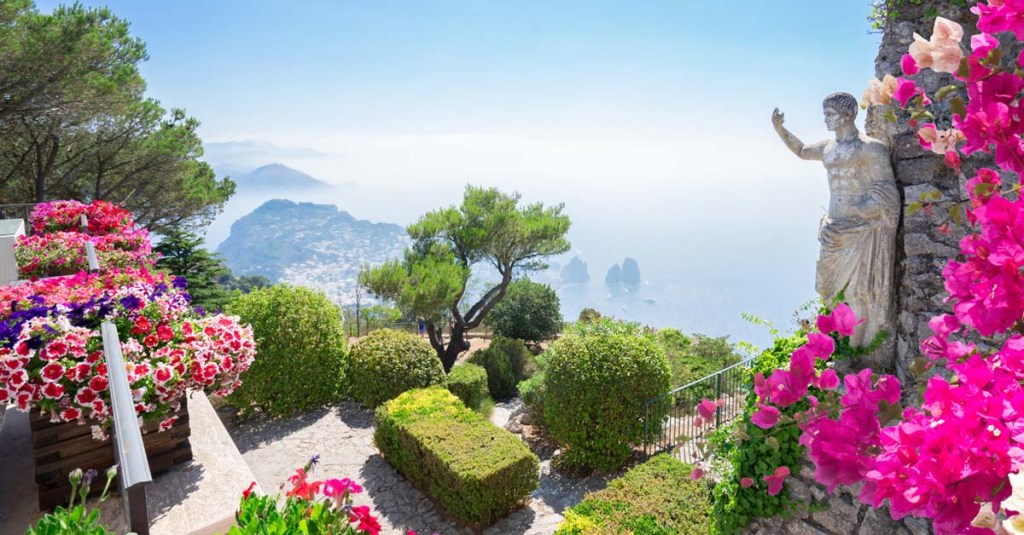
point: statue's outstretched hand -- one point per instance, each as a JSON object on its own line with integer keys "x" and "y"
{"x": 778, "y": 118}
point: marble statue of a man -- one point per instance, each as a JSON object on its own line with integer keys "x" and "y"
{"x": 858, "y": 235}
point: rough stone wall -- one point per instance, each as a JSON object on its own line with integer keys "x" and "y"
{"x": 922, "y": 249}
{"x": 836, "y": 514}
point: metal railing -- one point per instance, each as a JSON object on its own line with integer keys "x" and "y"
{"x": 18, "y": 211}
{"x": 672, "y": 423}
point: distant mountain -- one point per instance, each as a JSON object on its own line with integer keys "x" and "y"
{"x": 278, "y": 177}
{"x": 314, "y": 245}
{"x": 630, "y": 272}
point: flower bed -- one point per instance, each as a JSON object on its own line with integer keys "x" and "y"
{"x": 51, "y": 351}
{"x": 477, "y": 471}
{"x": 57, "y": 245}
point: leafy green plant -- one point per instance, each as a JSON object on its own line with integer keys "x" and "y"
{"x": 530, "y": 311}
{"x": 388, "y": 362}
{"x": 654, "y": 498}
{"x": 301, "y": 358}
{"x": 599, "y": 376}
{"x": 475, "y": 470}
{"x": 469, "y": 383}
{"x": 749, "y": 456}
{"x": 693, "y": 358}
{"x": 507, "y": 362}
{"x": 302, "y": 512}
{"x": 532, "y": 390}
{"x": 76, "y": 519}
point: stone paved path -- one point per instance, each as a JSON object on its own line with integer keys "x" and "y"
{"x": 343, "y": 437}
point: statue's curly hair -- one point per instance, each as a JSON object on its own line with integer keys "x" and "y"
{"x": 844, "y": 103}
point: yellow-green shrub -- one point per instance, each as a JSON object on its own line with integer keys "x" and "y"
{"x": 475, "y": 470}
{"x": 469, "y": 383}
{"x": 654, "y": 498}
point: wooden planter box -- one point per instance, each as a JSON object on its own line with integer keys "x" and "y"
{"x": 59, "y": 448}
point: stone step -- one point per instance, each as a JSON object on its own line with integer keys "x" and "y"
{"x": 196, "y": 498}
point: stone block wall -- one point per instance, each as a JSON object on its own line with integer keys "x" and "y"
{"x": 837, "y": 514}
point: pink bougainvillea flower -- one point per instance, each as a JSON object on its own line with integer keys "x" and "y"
{"x": 983, "y": 43}
{"x": 776, "y": 479}
{"x": 939, "y": 141}
{"x": 828, "y": 380}
{"x": 908, "y": 65}
{"x": 766, "y": 416}
{"x": 820, "y": 345}
{"x": 746, "y": 482}
{"x": 707, "y": 409}
{"x": 879, "y": 92}
{"x": 696, "y": 473}
{"x": 942, "y": 52}
{"x": 905, "y": 90}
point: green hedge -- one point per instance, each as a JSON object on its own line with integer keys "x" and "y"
{"x": 300, "y": 351}
{"x": 599, "y": 376}
{"x": 388, "y": 362}
{"x": 507, "y": 362}
{"x": 477, "y": 471}
{"x": 655, "y": 498}
{"x": 469, "y": 383}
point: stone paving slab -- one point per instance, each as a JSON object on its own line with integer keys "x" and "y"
{"x": 343, "y": 437}
{"x": 196, "y": 498}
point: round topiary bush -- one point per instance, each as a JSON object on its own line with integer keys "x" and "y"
{"x": 529, "y": 311}
{"x": 388, "y": 362}
{"x": 507, "y": 362}
{"x": 469, "y": 382}
{"x": 596, "y": 383}
{"x": 301, "y": 361}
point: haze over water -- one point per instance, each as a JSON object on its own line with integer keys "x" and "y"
{"x": 650, "y": 121}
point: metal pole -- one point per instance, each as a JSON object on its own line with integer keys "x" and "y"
{"x": 718, "y": 410}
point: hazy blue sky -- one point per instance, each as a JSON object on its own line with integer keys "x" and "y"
{"x": 649, "y": 119}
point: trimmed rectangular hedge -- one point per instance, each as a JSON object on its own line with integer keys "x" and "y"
{"x": 477, "y": 471}
{"x": 654, "y": 498}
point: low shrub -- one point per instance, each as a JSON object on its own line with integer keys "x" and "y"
{"x": 475, "y": 470}
{"x": 692, "y": 358}
{"x": 599, "y": 376}
{"x": 301, "y": 354}
{"x": 507, "y": 362}
{"x": 469, "y": 383}
{"x": 388, "y": 362}
{"x": 532, "y": 391}
{"x": 655, "y": 498}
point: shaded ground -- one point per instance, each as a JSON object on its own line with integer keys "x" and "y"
{"x": 343, "y": 437}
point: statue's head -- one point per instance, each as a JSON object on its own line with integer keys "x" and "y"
{"x": 839, "y": 108}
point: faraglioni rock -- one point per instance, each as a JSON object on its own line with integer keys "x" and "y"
{"x": 630, "y": 272}
{"x": 858, "y": 234}
{"x": 614, "y": 275}
{"x": 574, "y": 271}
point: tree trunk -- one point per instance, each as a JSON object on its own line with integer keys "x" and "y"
{"x": 456, "y": 344}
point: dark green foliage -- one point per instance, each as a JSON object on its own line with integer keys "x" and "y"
{"x": 388, "y": 362}
{"x": 753, "y": 457}
{"x": 475, "y": 470}
{"x": 588, "y": 315}
{"x": 507, "y": 362}
{"x": 244, "y": 283}
{"x": 693, "y": 358}
{"x": 598, "y": 379}
{"x": 469, "y": 382}
{"x": 300, "y": 350}
{"x": 530, "y": 311}
{"x": 182, "y": 253}
{"x": 532, "y": 391}
{"x": 489, "y": 227}
{"x": 654, "y": 498}
{"x": 75, "y": 122}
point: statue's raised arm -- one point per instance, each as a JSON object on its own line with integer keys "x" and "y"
{"x": 807, "y": 152}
